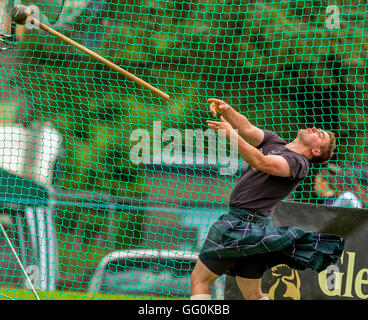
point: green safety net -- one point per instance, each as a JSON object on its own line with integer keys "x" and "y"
{"x": 108, "y": 190}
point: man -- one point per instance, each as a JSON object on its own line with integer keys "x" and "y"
{"x": 245, "y": 243}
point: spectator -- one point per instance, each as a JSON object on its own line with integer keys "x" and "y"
{"x": 321, "y": 188}
{"x": 27, "y": 178}
{"x": 341, "y": 186}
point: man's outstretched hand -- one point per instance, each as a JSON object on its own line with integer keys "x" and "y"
{"x": 221, "y": 125}
{"x": 217, "y": 106}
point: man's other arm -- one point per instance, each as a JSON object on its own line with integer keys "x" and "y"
{"x": 246, "y": 129}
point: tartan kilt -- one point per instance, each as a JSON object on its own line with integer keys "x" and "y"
{"x": 232, "y": 236}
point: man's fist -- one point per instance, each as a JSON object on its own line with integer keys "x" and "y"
{"x": 217, "y": 106}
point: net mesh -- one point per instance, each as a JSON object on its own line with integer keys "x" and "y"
{"x": 109, "y": 190}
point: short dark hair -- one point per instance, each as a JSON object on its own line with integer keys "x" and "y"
{"x": 326, "y": 152}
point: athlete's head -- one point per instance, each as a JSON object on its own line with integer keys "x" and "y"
{"x": 320, "y": 142}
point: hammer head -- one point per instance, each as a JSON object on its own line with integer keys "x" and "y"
{"x": 20, "y": 14}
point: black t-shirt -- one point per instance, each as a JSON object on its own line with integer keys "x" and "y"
{"x": 259, "y": 191}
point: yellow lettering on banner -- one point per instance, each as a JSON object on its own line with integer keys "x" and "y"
{"x": 359, "y": 281}
{"x": 322, "y": 279}
{"x": 349, "y": 274}
{"x": 331, "y": 281}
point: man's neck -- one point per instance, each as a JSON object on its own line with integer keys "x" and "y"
{"x": 298, "y": 148}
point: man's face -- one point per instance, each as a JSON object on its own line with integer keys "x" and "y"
{"x": 314, "y": 138}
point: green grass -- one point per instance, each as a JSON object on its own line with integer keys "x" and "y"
{"x": 24, "y": 294}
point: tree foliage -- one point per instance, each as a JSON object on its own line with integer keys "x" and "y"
{"x": 276, "y": 61}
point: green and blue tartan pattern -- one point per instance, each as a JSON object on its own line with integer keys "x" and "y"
{"x": 232, "y": 236}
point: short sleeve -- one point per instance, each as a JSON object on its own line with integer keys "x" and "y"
{"x": 270, "y": 137}
{"x": 299, "y": 165}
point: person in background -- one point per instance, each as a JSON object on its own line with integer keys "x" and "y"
{"x": 340, "y": 187}
{"x": 324, "y": 194}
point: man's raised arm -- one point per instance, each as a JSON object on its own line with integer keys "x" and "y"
{"x": 246, "y": 130}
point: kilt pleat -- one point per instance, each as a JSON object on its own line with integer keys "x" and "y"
{"x": 232, "y": 236}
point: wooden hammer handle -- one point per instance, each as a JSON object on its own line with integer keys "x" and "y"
{"x": 101, "y": 59}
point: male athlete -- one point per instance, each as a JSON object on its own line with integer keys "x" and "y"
{"x": 245, "y": 243}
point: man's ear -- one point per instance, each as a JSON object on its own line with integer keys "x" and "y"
{"x": 316, "y": 152}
